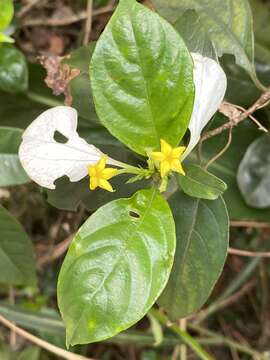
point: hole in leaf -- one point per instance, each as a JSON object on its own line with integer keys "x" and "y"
{"x": 60, "y": 138}
{"x": 134, "y": 215}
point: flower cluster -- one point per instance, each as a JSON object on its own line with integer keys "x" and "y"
{"x": 45, "y": 160}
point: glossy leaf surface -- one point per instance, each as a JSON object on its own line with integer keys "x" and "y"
{"x": 197, "y": 40}
{"x": 6, "y": 13}
{"x": 227, "y": 23}
{"x": 200, "y": 183}
{"x": 13, "y": 69}
{"x": 116, "y": 267}
{"x": 141, "y": 74}
{"x": 11, "y": 170}
{"x": 17, "y": 265}
{"x": 202, "y": 229}
{"x": 254, "y": 173}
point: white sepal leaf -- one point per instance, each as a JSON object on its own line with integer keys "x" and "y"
{"x": 210, "y": 87}
{"x": 44, "y": 159}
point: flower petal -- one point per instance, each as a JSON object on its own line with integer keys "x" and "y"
{"x": 44, "y": 159}
{"x": 176, "y": 166}
{"x": 165, "y": 147}
{"x": 104, "y": 184}
{"x": 93, "y": 183}
{"x": 177, "y": 152}
{"x": 108, "y": 173}
{"x": 157, "y": 155}
{"x": 164, "y": 168}
{"x": 100, "y": 166}
{"x": 92, "y": 170}
{"x": 210, "y": 87}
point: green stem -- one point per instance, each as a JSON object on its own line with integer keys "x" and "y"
{"x": 226, "y": 341}
{"x": 129, "y": 169}
{"x": 187, "y": 339}
{"x": 44, "y": 100}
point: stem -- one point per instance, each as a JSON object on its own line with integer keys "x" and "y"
{"x": 183, "y": 348}
{"x": 44, "y": 100}
{"x": 226, "y": 341}
{"x": 187, "y": 339}
{"x": 129, "y": 169}
{"x": 88, "y": 24}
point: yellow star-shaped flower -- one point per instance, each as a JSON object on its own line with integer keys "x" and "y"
{"x": 169, "y": 158}
{"x": 99, "y": 175}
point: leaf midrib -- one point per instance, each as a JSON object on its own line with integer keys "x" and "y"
{"x": 145, "y": 84}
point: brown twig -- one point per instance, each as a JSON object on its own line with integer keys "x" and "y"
{"x": 64, "y": 354}
{"x": 67, "y": 20}
{"x": 236, "y": 116}
{"x": 246, "y": 253}
{"x": 11, "y": 300}
{"x": 251, "y": 224}
{"x": 58, "y": 251}
{"x": 27, "y": 8}
{"x": 88, "y": 23}
{"x": 220, "y": 153}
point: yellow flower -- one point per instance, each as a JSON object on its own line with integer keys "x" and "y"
{"x": 99, "y": 175}
{"x": 169, "y": 158}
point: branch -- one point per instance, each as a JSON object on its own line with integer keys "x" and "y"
{"x": 67, "y": 20}
{"x": 88, "y": 23}
{"x": 57, "y": 252}
{"x": 64, "y": 354}
{"x": 246, "y": 253}
{"x": 251, "y": 224}
{"x": 236, "y": 115}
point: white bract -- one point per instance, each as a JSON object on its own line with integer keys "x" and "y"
{"x": 210, "y": 86}
{"x": 45, "y": 160}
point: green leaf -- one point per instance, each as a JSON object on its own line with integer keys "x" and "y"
{"x": 5, "y": 38}
{"x": 11, "y": 170}
{"x": 156, "y": 329}
{"x": 200, "y": 183}
{"x": 254, "y": 173}
{"x": 202, "y": 229}
{"x": 116, "y": 267}
{"x": 13, "y": 69}
{"x": 141, "y": 76}
{"x": 227, "y": 23}
{"x": 6, "y": 13}
{"x": 261, "y": 14}
{"x": 197, "y": 40}
{"x": 80, "y": 87}
{"x": 17, "y": 265}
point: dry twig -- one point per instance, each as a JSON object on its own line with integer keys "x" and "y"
{"x": 236, "y": 116}
{"x": 58, "y": 251}
{"x": 88, "y": 23}
{"x": 67, "y": 20}
{"x": 246, "y": 253}
{"x": 222, "y": 151}
{"x": 251, "y": 224}
{"x": 64, "y": 354}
